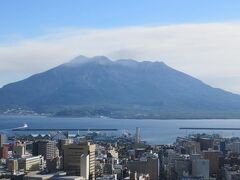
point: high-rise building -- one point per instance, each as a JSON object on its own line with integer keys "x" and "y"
{"x": 3, "y": 139}
{"x": 191, "y": 147}
{"x": 148, "y": 166}
{"x": 214, "y": 160}
{"x": 63, "y": 142}
{"x": 34, "y": 163}
{"x": 223, "y": 147}
{"x": 235, "y": 147}
{"x": 79, "y": 159}
{"x": 19, "y": 149}
{"x": 137, "y": 138}
{"x": 52, "y": 165}
{"x": 4, "y": 152}
{"x": 12, "y": 165}
{"x": 182, "y": 167}
{"x": 205, "y": 143}
{"x": 47, "y": 149}
{"x": 200, "y": 168}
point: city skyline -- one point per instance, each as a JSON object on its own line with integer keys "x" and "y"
{"x": 120, "y": 90}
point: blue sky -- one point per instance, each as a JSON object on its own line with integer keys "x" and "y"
{"x": 30, "y": 18}
{"x": 198, "y": 37}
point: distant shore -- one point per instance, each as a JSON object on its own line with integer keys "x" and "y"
{"x": 117, "y": 118}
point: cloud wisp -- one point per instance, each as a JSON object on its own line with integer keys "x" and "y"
{"x": 208, "y": 51}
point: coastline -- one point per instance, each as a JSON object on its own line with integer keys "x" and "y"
{"x": 114, "y": 118}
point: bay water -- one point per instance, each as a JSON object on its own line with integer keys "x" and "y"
{"x": 151, "y": 130}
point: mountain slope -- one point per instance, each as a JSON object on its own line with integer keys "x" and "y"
{"x": 123, "y": 88}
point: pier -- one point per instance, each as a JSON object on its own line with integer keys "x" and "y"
{"x": 63, "y": 129}
{"x": 206, "y": 128}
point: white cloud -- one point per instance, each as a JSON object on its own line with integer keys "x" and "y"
{"x": 209, "y": 52}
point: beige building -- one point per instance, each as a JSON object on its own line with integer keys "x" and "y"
{"x": 79, "y": 159}
{"x": 51, "y": 176}
{"x": 33, "y": 163}
{"x": 12, "y": 165}
{"x": 46, "y": 148}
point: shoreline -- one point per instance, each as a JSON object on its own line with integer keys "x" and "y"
{"x": 123, "y": 118}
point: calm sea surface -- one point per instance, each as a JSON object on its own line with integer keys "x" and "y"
{"x": 152, "y": 131}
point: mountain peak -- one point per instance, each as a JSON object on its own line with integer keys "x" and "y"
{"x": 101, "y": 59}
{"x": 127, "y": 62}
{"x": 79, "y": 60}
{"x": 83, "y": 60}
